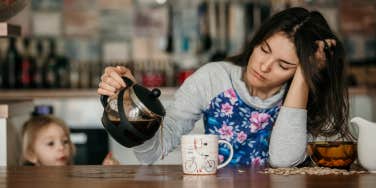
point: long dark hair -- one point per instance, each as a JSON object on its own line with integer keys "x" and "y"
{"x": 328, "y": 95}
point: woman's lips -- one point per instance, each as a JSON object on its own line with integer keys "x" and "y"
{"x": 257, "y": 75}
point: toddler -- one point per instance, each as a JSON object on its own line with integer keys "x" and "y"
{"x": 46, "y": 142}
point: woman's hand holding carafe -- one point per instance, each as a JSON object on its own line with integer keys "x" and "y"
{"x": 111, "y": 81}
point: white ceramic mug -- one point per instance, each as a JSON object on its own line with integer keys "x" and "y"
{"x": 200, "y": 153}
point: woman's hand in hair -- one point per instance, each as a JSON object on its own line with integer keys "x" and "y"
{"x": 323, "y": 45}
{"x": 297, "y": 95}
{"x": 111, "y": 81}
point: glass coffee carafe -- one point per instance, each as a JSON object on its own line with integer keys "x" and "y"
{"x": 134, "y": 115}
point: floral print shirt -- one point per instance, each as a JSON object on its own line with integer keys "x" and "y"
{"x": 247, "y": 128}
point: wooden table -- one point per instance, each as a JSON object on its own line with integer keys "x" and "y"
{"x": 167, "y": 176}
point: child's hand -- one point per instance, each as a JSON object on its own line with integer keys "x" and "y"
{"x": 110, "y": 160}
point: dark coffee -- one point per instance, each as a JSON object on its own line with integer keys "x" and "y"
{"x": 146, "y": 127}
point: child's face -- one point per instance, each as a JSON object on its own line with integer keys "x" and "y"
{"x": 52, "y": 147}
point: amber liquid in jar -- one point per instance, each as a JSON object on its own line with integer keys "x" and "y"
{"x": 333, "y": 154}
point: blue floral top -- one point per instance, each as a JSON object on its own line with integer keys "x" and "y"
{"x": 247, "y": 128}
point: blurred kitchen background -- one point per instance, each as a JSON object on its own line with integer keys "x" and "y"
{"x": 54, "y": 66}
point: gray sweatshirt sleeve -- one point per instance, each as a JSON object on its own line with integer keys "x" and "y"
{"x": 186, "y": 109}
{"x": 289, "y": 138}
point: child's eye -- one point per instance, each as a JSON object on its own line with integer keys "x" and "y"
{"x": 65, "y": 142}
{"x": 50, "y": 143}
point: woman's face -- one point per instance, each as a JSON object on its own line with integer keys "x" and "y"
{"x": 52, "y": 147}
{"x": 272, "y": 63}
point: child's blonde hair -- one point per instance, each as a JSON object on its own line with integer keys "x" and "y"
{"x": 33, "y": 126}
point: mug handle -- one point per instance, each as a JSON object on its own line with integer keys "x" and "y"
{"x": 231, "y": 153}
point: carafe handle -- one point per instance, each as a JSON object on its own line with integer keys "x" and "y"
{"x": 128, "y": 82}
{"x": 104, "y": 99}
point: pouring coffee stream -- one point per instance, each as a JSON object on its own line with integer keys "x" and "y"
{"x": 134, "y": 115}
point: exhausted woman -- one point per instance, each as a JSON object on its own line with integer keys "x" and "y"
{"x": 287, "y": 83}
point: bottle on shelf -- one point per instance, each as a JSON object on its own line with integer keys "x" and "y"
{"x": 3, "y": 51}
{"x": 11, "y": 63}
{"x": 83, "y": 73}
{"x": 27, "y": 68}
{"x": 62, "y": 68}
{"x": 74, "y": 76}
{"x": 40, "y": 57}
{"x": 49, "y": 66}
{"x": 138, "y": 70}
{"x": 95, "y": 74}
{"x": 153, "y": 75}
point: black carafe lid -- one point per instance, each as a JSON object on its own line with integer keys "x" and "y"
{"x": 145, "y": 99}
{"x": 148, "y": 100}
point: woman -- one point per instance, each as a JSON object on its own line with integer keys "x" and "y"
{"x": 287, "y": 82}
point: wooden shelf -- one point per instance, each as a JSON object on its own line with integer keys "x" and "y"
{"x": 23, "y": 94}
{"x": 362, "y": 91}
{"x": 9, "y": 30}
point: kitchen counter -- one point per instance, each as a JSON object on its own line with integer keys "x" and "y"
{"x": 167, "y": 176}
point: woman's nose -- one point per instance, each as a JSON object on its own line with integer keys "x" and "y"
{"x": 266, "y": 65}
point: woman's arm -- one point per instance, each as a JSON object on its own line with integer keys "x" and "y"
{"x": 297, "y": 95}
{"x": 187, "y": 107}
{"x": 180, "y": 118}
{"x": 289, "y": 136}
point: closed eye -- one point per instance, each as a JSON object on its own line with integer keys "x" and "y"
{"x": 286, "y": 64}
{"x": 264, "y": 49}
{"x": 282, "y": 66}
